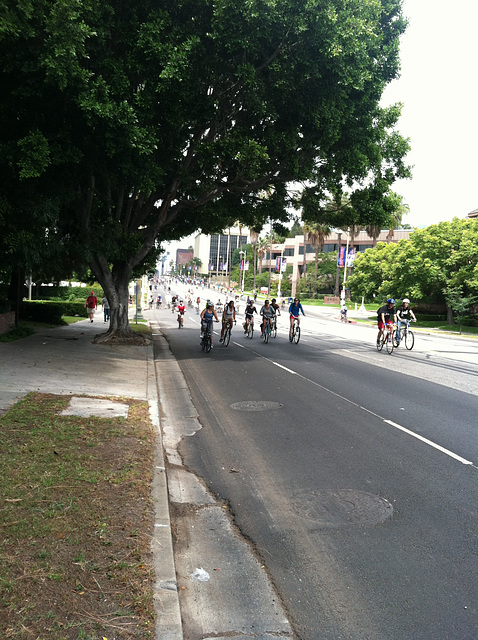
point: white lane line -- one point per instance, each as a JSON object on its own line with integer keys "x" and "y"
{"x": 355, "y": 404}
{"x": 432, "y": 444}
{"x": 238, "y": 344}
{"x": 285, "y": 368}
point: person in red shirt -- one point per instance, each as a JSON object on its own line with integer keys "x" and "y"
{"x": 91, "y": 305}
{"x": 181, "y": 308}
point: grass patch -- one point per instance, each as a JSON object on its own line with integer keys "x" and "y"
{"x": 17, "y": 334}
{"x": 77, "y": 520}
{"x": 72, "y": 319}
{"x": 141, "y": 327}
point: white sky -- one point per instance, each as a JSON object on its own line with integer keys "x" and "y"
{"x": 438, "y": 87}
{"x": 439, "y": 90}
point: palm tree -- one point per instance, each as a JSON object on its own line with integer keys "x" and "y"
{"x": 315, "y": 234}
{"x": 373, "y": 230}
{"x": 262, "y": 245}
{"x": 254, "y": 239}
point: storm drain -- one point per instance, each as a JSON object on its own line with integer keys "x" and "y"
{"x": 341, "y": 508}
{"x": 255, "y": 405}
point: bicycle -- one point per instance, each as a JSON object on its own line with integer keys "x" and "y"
{"x": 266, "y": 333}
{"x": 295, "y": 335}
{"x": 180, "y": 320}
{"x": 227, "y": 335}
{"x": 406, "y": 334}
{"x": 206, "y": 341}
{"x": 274, "y": 327}
{"x": 387, "y": 338}
{"x": 250, "y": 328}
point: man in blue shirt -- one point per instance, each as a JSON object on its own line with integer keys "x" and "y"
{"x": 294, "y": 310}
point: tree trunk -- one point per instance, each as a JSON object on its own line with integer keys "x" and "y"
{"x": 316, "y": 267}
{"x": 449, "y": 315}
{"x": 16, "y": 291}
{"x": 115, "y": 287}
{"x": 254, "y": 262}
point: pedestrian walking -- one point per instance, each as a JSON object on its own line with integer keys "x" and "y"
{"x": 91, "y": 305}
{"x": 106, "y": 308}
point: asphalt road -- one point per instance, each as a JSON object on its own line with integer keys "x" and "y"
{"x": 352, "y": 473}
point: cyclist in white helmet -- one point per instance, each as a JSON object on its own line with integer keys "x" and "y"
{"x": 404, "y": 314}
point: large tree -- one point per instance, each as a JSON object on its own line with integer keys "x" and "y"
{"x": 437, "y": 264}
{"x": 144, "y": 120}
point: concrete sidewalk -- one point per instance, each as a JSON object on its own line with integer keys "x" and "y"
{"x": 64, "y": 361}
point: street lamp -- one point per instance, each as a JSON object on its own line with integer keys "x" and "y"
{"x": 243, "y": 261}
{"x": 342, "y": 293}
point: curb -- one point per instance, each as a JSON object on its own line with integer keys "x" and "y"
{"x": 166, "y": 596}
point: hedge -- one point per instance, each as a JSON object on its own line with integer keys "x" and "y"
{"x": 51, "y": 312}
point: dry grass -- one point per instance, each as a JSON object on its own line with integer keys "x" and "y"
{"x": 76, "y": 522}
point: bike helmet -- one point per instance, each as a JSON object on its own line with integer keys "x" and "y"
{"x": 406, "y": 300}
{"x": 209, "y": 304}
{"x": 391, "y": 301}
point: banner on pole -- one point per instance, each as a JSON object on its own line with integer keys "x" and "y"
{"x": 281, "y": 264}
{"x": 344, "y": 259}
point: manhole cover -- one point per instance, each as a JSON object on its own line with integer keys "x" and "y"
{"x": 344, "y": 507}
{"x": 255, "y": 405}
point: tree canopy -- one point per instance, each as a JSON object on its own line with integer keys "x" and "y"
{"x": 139, "y": 121}
{"x": 437, "y": 264}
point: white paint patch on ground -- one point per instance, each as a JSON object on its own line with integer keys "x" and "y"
{"x": 87, "y": 407}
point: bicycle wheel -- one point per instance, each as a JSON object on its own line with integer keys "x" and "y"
{"x": 250, "y": 331}
{"x": 274, "y": 330}
{"x": 380, "y": 344}
{"x": 208, "y": 344}
{"x": 390, "y": 340}
{"x": 227, "y": 336}
{"x": 296, "y": 335}
{"x": 265, "y": 335}
{"x": 409, "y": 340}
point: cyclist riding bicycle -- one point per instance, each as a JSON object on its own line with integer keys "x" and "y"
{"x": 228, "y": 317}
{"x": 275, "y": 306}
{"x": 295, "y": 309}
{"x": 249, "y": 313}
{"x": 181, "y": 308}
{"x": 404, "y": 314}
{"x": 385, "y": 315}
{"x": 208, "y": 315}
{"x": 267, "y": 312}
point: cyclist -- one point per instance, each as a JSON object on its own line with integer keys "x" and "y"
{"x": 228, "y": 317}
{"x": 295, "y": 309}
{"x": 385, "y": 315}
{"x": 198, "y": 302}
{"x": 249, "y": 313}
{"x": 276, "y": 308}
{"x": 404, "y": 314}
{"x": 181, "y": 309}
{"x": 267, "y": 312}
{"x": 343, "y": 312}
{"x": 208, "y": 315}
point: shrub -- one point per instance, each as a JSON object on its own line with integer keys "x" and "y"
{"x": 50, "y": 312}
